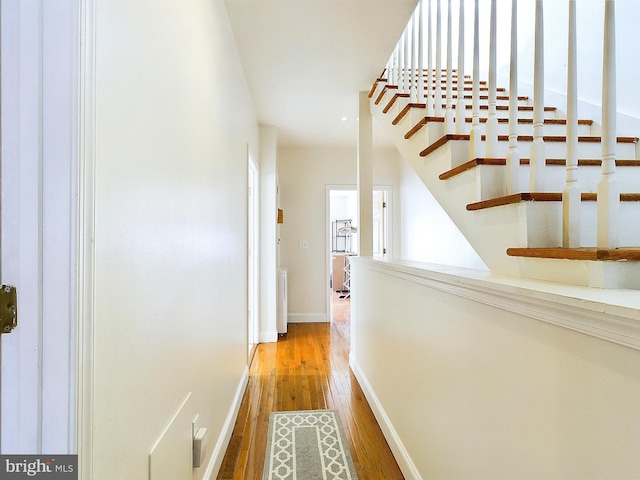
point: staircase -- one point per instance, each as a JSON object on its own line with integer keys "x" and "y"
{"x": 518, "y": 234}
{"x": 567, "y": 211}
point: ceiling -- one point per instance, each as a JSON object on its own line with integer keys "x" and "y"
{"x": 306, "y": 60}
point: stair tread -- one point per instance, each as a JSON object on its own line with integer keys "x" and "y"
{"x": 393, "y": 101}
{"x": 521, "y": 138}
{"x": 541, "y": 197}
{"x": 375, "y": 85}
{"x": 425, "y": 120}
{"x": 582, "y": 253}
{"x": 584, "y": 162}
{"x": 384, "y": 90}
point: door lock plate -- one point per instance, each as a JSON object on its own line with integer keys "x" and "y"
{"x": 8, "y": 308}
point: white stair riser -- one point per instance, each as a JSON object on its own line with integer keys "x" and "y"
{"x": 612, "y": 275}
{"x": 544, "y": 224}
{"x": 586, "y": 150}
{"x": 491, "y": 177}
{"x": 628, "y": 215}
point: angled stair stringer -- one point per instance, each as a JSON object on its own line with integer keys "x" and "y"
{"x": 525, "y": 224}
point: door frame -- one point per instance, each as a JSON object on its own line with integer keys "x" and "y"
{"x": 253, "y": 253}
{"x": 388, "y": 189}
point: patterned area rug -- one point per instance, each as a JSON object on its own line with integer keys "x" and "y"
{"x": 307, "y": 445}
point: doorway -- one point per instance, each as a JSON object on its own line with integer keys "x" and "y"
{"x": 342, "y": 237}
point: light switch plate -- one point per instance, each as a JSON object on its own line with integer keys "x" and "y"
{"x": 303, "y": 245}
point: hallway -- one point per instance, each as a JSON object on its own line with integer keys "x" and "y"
{"x": 307, "y": 369}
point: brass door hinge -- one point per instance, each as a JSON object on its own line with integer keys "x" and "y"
{"x": 8, "y": 308}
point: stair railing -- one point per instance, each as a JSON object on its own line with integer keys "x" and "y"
{"x": 406, "y": 68}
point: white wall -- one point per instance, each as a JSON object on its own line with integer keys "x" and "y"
{"x": 304, "y": 175}
{"x": 471, "y": 379}
{"x": 428, "y": 234}
{"x": 173, "y": 118}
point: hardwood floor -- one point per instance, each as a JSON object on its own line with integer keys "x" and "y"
{"x": 307, "y": 369}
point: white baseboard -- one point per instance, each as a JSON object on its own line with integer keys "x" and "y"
{"x": 307, "y": 318}
{"x": 269, "y": 337}
{"x": 405, "y": 463}
{"x": 223, "y": 440}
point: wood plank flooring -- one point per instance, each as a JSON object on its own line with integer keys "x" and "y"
{"x": 307, "y": 369}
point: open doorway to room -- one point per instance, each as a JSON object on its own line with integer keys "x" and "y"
{"x": 342, "y": 239}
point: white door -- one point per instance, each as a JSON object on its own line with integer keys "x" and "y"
{"x": 38, "y": 110}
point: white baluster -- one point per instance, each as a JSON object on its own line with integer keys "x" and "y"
{"x": 430, "y": 105}
{"x": 401, "y": 62}
{"x": 395, "y": 76}
{"x": 460, "y": 105}
{"x": 491, "y": 145}
{"x": 513, "y": 157}
{"x": 449, "y": 113}
{"x": 571, "y": 194}
{"x": 437, "y": 90}
{"x": 538, "y": 154}
{"x": 608, "y": 188}
{"x": 421, "y": 94}
{"x": 407, "y": 59}
{"x": 475, "y": 136}
{"x": 414, "y": 57}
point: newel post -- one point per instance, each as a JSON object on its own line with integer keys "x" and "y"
{"x": 364, "y": 173}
